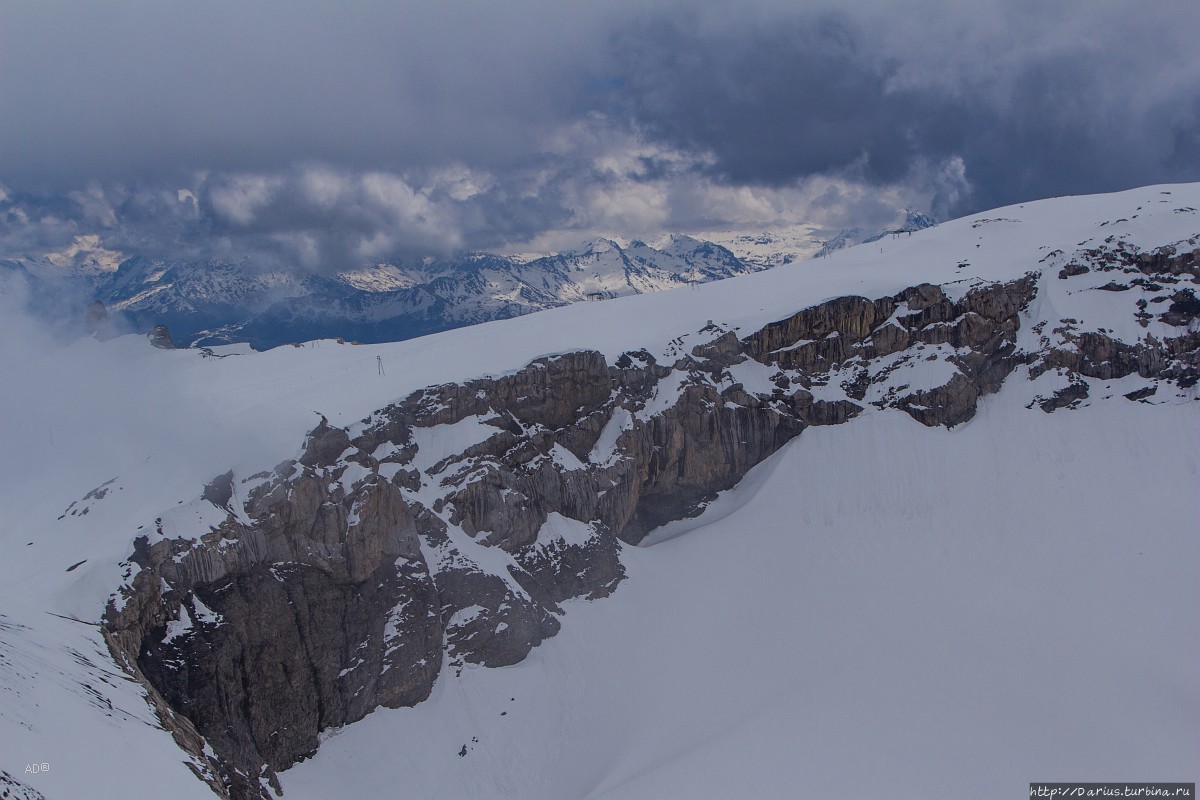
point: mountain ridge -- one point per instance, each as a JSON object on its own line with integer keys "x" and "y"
{"x": 619, "y": 450}
{"x": 513, "y": 460}
{"x": 211, "y": 302}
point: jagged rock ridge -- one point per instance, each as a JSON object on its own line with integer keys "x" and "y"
{"x": 451, "y": 524}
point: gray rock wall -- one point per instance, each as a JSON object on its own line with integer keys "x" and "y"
{"x": 347, "y": 579}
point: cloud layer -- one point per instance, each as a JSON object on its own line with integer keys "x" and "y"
{"x": 330, "y": 137}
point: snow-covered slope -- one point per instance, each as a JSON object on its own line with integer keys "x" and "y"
{"x": 787, "y": 244}
{"x": 877, "y": 611}
{"x": 783, "y": 245}
{"x": 878, "y": 607}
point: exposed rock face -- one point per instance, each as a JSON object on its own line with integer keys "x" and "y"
{"x": 287, "y": 618}
{"x": 160, "y": 337}
{"x": 1158, "y": 284}
{"x": 96, "y": 320}
{"x": 447, "y": 527}
{"x": 863, "y": 342}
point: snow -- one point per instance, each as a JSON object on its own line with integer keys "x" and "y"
{"x": 782, "y": 245}
{"x": 564, "y": 458}
{"x": 441, "y": 441}
{"x": 605, "y": 449}
{"x": 899, "y": 374}
{"x": 558, "y": 530}
{"x": 900, "y": 611}
{"x": 381, "y": 278}
{"x": 388, "y": 471}
{"x": 204, "y": 613}
{"x": 879, "y": 610}
{"x": 392, "y": 627}
{"x": 666, "y": 394}
{"x": 64, "y": 703}
{"x": 353, "y": 474}
{"x": 178, "y": 627}
{"x": 465, "y": 616}
{"x": 753, "y": 376}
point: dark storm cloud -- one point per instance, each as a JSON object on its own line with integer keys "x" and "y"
{"x": 333, "y": 135}
{"x": 1099, "y": 98}
{"x": 791, "y": 98}
{"x": 138, "y": 88}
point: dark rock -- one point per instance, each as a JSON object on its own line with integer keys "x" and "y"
{"x": 724, "y": 351}
{"x": 984, "y": 323}
{"x": 561, "y": 571}
{"x": 950, "y": 404}
{"x": 219, "y": 490}
{"x": 291, "y": 651}
{"x": 325, "y": 443}
{"x": 1142, "y": 394}
{"x": 160, "y": 337}
{"x": 278, "y": 637}
{"x": 1183, "y": 310}
{"x": 96, "y": 320}
{"x": 923, "y": 296}
{"x": 1167, "y": 260}
{"x": 486, "y": 621}
{"x": 1001, "y": 301}
{"x": 1067, "y": 397}
{"x": 344, "y": 577}
{"x": 818, "y": 337}
{"x": 1071, "y": 270}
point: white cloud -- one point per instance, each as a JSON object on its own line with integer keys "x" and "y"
{"x": 303, "y": 247}
{"x": 240, "y": 197}
{"x": 461, "y": 183}
{"x": 95, "y": 205}
{"x": 324, "y": 186}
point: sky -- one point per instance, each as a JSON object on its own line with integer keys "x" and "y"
{"x": 329, "y": 136}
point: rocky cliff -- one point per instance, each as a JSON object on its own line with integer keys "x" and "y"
{"x": 448, "y": 527}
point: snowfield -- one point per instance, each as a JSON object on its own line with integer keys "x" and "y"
{"x": 880, "y": 608}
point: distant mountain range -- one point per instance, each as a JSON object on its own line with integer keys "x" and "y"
{"x": 215, "y": 302}
{"x": 847, "y": 237}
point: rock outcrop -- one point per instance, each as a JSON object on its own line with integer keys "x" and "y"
{"x": 160, "y": 337}
{"x": 448, "y": 527}
{"x": 96, "y": 320}
{"x": 1153, "y": 279}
